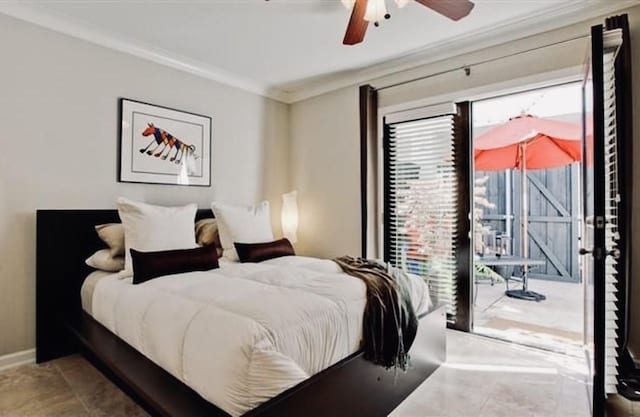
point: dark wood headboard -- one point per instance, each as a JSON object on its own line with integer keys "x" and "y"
{"x": 65, "y": 238}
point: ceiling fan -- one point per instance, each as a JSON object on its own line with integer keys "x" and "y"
{"x": 365, "y": 11}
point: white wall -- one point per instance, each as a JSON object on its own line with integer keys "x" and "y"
{"x": 325, "y": 166}
{"x": 634, "y": 16}
{"x": 59, "y": 133}
{"x": 336, "y": 204}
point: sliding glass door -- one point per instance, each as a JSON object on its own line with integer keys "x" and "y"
{"x": 426, "y": 202}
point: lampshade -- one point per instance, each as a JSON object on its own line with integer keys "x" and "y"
{"x": 376, "y": 10}
{"x": 290, "y": 216}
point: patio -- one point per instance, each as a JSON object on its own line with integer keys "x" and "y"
{"x": 527, "y": 215}
{"x": 553, "y": 324}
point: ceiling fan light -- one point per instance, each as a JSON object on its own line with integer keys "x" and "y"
{"x": 401, "y": 3}
{"x": 348, "y": 3}
{"x": 376, "y": 10}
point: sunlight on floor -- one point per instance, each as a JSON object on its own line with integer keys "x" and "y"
{"x": 554, "y": 324}
{"x": 489, "y": 378}
{"x": 502, "y": 368}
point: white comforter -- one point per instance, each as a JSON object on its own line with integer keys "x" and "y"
{"x": 243, "y": 333}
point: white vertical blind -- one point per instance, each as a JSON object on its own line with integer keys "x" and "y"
{"x": 421, "y": 194}
{"x": 612, "y": 199}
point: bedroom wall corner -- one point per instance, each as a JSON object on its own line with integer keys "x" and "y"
{"x": 634, "y": 295}
{"x": 59, "y": 133}
{"x": 325, "y": 169}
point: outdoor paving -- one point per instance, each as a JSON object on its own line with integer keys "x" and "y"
{"x": 555, "y": 323}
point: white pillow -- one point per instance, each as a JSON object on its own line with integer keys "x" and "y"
{"x": 242, "y": 224}
{"x": 150, "y": 228}
{"x": 105, "y": 261}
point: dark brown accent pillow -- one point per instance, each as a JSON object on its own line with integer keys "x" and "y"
{"x": 150, "y": 265}
{"x": 258, "y": 252}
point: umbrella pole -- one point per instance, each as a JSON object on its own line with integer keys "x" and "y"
{"x": 524, "y": 207}
{"x": 524, "y": 293}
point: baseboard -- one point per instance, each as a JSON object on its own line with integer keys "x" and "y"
{"x": 13, "y": 360}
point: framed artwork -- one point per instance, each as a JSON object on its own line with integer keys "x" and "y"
{"x": 160, "y": 145}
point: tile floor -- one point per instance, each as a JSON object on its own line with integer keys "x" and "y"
{"x": 488, "y": 378}
{"x": 618, "y": 406}
{"x": 495, "y": 379}
{"x": 68, "y": 387}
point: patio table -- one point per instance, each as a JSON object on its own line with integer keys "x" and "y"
{"x": 509, "y": 260}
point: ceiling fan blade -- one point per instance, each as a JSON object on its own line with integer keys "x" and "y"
{"x": 357, "y": 25}
{"x": 453, "y": 9}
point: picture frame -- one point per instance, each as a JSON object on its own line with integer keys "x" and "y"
{"x": 162, "y": 145}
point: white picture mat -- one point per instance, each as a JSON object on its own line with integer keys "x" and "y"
{"x": 189, "y": 128}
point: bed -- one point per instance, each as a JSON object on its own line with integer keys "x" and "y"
{"x": 169, "y": 371}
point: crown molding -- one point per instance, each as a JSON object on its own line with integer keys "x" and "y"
{"x": 531, "y": 25}
{"x": 77, "y": 29}
{"x": 534, "y": 24}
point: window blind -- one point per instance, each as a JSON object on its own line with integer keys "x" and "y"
{"x": 421, "y": 210}
{"x": 612, "y": 40}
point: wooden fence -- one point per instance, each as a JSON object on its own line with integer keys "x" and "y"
{"x": 554, "y": 217}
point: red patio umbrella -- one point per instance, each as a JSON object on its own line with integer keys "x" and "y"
{"x": 546, "y": 143}
{"x": 528, "y": 142}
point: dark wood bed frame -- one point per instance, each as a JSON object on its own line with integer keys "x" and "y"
{"x": 353, "y": 387}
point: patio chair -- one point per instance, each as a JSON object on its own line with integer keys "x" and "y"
{"x": 480, "y": 277}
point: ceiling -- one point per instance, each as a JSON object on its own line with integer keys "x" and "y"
{"x": 277, "y": 47}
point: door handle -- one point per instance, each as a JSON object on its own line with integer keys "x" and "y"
{"x": 614, "y": 253}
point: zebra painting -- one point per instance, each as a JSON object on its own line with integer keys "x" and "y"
{"x": 165, "y": 142}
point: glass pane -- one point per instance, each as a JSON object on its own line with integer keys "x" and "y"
{"x": 421, "y": 203}
{"x": 586, "y": 262}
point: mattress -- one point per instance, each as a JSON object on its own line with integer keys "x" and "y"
{"x": 89, "y": 286}
{"x": 90, "y": 282}
{"x": 241, "y": 334}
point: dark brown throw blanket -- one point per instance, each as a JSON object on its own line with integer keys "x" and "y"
{"x": 390, "y": 323}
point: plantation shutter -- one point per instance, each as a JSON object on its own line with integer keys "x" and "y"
{"x": 422, "y": 213}
{"x": 606, "y": 225}
{"x": 612, "y": 41}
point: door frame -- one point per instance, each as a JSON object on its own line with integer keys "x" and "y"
{"x": 599, "y": 244}
{"x": 512, "y": 86}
